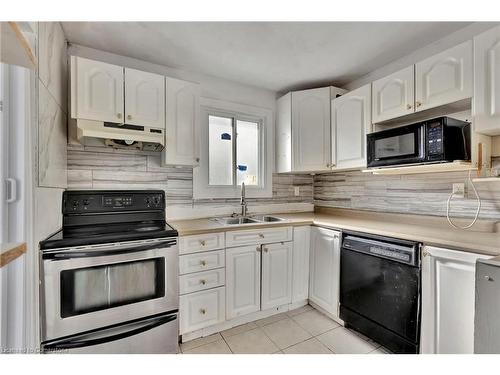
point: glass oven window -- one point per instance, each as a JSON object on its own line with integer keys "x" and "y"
{"x": 84, "y": 290}
{"x": 394, "y": 147}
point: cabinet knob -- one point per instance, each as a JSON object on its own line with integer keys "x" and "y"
{"x": 203, "y": 262}
{"x": 203, "y": 311}
{"x": 129, "y": 117}
{"x": 419, "y": 104}
{"x": 265, "y": 249}
{"x": 261, "y": 235}
{"x": 203, "y": 282}
{"x": 258, "y": 248}
{"x": 488, "y": 278}
{"x": 202, "y": 243}
{"x": 197, "y": 160}
{"x": 409, "y": 106}
{"x": 119, "y": 115}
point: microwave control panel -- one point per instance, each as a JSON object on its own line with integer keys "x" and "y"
{"x": 434, "y": 139}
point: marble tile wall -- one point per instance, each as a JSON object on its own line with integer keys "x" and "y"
{"x": 52, "y": 105}
{"x": 105, "y": 168}
{"x": 424, "y": 194}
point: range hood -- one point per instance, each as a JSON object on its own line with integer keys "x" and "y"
{"x": 122, "y": 135}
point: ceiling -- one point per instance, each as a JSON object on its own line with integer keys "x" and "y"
{"x": 274, "y": 55}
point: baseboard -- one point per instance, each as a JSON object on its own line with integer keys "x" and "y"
{"x": 328, "y": 314}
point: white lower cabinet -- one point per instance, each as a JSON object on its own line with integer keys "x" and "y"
{"x": 325, "y": 269}
{"x": 276, "y": 274}
{"x": 300, "y": 263}
{"x": 448, "y": 293}
{"x": 201, "y": 309}
{"x": 242, "y": 280}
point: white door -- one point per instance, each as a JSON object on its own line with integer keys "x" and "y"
{"x": 487, "y": 82}
{"x": 393, "y": 96}
{"x": 351, "y": 121}
{"x": 311, "y": 129}
{"x": 242, "y": 280}
{"x": 276, "y": 274}
{"x": 96, "y": 90}
{"x": 448, "y": 295}
{"x": 300, "y": 263}
{"x": 183, "y": 102}
{"x": 144, "y": 99}
{"x": 325, "y": 269}
{"x": 444, "y": 78}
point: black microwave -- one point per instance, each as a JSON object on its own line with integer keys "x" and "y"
{"x": 439, "y": 140}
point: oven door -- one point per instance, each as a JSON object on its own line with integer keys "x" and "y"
{"x": 398, "y": 146}
{"x": 86, "y": 288}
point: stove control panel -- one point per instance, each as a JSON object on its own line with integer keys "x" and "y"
{"x": 79, "y": 202}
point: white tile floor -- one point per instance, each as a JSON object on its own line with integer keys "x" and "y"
{"x": 301, "y": 331}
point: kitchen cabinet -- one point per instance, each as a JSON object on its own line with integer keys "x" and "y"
{"x": 444, "y": 78}
{"x": 242, "y": 280}
{"x": 182, "y": 123}
{"x": 351, "y": 121}
{"x": 201, "y": 309}
{"x": 303, "y": 130}
{"x": 448, "y": 293}
{"x": 486, "y": 110}
{"x": 325, "y": 269}
{"x": 393, "y": 96}
{"x": 300, "y": 263}
{"x": 97, "y": 91}
{"x": 144, "y": 99}
{"x": 276, "y": 274}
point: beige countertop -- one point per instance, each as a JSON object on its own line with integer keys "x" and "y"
{"x": 484, "y": 238}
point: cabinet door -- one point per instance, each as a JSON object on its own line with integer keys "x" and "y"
{"x": 284, "y": 134}
{"x": 393, "y": 96}
{"x": 311, "y": 130}
{"x": 300, "y": 263}
{"x": 325, "y": 269}
{"x": 144, "y": 99}
{"x": 444, "y": 78}
{"x": 182, "y": 108}
{"x": 242, "y": 280}
{"x": 276, "y": 274}
{"x": 96, "y": 90}
{"x": 448, "y": 292}
{"x": 351, "y": 121}
{"x": 487, "y": 82}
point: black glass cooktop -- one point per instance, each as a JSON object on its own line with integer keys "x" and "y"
{"x": 107, "y": 233}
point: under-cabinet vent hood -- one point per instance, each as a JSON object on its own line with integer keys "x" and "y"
{"x": 122, "y": 135}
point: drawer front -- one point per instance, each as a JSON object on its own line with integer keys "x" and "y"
{"x": 201, "y": 309}
{"x": 202, "y": 242}
{"x": 195, "y": 282}
{"x": 201, "y": 261}
{"x": 258, "y": 236}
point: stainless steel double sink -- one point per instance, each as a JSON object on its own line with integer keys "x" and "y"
{"x": 247, "y": 220}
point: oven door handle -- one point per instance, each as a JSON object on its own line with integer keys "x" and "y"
{"x": 81, "y": 341}
{"x": 100, "y": 251}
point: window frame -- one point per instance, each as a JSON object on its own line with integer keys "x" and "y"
{"x": 264, "y": 117}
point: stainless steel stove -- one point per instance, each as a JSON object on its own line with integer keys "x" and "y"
{"x": 110, "y": 275}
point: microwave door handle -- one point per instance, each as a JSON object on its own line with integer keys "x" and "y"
{"x": 77, "y": 342}
{"x": 104, "y": 251}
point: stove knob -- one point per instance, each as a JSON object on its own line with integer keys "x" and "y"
{"x": 148, "y": 201}
{"x": 86, "y": 202}
{"x": 157, "y": 201}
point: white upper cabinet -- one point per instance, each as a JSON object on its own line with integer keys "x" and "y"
{"x": 351, "y": 121}
{"x": 182, "y": 122}
{"x": 96, "y": 91}
{"x": 487, "y": 82}
{"x": 448, "y": 293}
{"x": 284, "y": 134}
{"x": 144, "y": 99}
{"x": 325, "y": 269}
{"x": 444, "y": 78}
{"x": 393, "y": 96}
{"x": 276, "y": 274}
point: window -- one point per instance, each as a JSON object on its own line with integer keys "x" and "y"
{"x": 234, "y": 141}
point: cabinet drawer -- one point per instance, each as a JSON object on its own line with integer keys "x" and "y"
{"x": 201, "y": 309}
{"x": 201, "y": 242}
{"x": 195, "y": 282}
{"x": 257, "y": 236}
{"x": 201, "y": 261}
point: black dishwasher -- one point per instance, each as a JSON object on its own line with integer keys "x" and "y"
{"x": 380, "y": 284}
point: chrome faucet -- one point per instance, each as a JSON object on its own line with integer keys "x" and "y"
{"x": 243, "y": 202}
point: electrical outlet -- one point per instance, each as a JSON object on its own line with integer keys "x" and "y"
{"x": 459, "y": 190}
{"x": 296, "y": 191}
